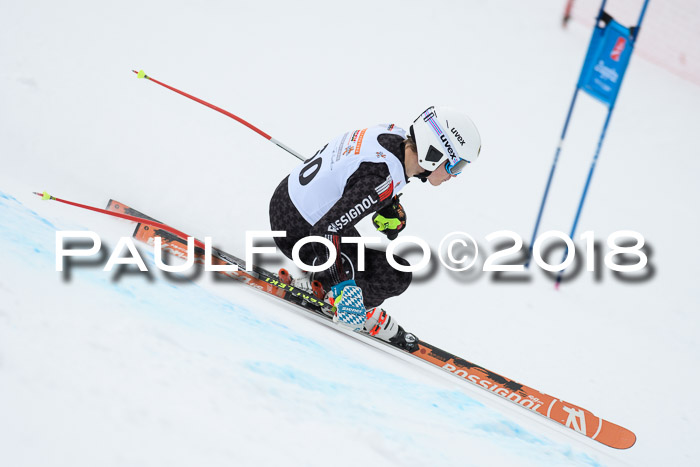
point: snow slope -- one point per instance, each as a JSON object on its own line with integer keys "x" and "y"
{"x": 131, "y": 370}
{"x": 115, "y": 370}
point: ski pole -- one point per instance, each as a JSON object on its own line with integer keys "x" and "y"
{"x": 142, "y": 74}
{"x": 46, "y": 196}
{"x": 256, "y": 273}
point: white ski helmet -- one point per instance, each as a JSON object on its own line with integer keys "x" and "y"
{"x": 443, "y": 134}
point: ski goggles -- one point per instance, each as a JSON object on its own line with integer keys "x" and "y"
{"x": 455, "y": 168}
{"x": 455, "y": 164}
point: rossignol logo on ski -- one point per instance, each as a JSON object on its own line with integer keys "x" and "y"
{"x": 526, "y": 402}
{"x": 576, "y": 419}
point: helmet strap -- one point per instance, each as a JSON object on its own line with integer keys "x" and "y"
{"x": 423, "y": 176}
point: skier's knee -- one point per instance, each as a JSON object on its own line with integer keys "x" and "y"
{"x": 403, "y": 278}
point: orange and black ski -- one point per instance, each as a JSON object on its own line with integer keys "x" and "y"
{"x": 565, "y": 413}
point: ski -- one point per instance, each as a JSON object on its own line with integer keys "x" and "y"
{"x": 562, "y": 412}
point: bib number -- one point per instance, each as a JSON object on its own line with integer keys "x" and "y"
{"x": 311, "y": 168}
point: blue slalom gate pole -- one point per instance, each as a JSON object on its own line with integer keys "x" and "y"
{"x": 551, "y": 176}
{"x": 641, "y": 17}
{"x": 585, "y": 189}
{"x": 556, "y": 158}
{"x": 609, "y": 98}
{"x": 601, "y": 76}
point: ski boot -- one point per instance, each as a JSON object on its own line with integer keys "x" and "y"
{"x": 380, "y": 325}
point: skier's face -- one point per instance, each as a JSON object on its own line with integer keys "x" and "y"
{"x": 439, "y": 175}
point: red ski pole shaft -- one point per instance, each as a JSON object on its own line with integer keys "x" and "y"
{"x": 141, "y": 74}
{"x": 157, "y": 225}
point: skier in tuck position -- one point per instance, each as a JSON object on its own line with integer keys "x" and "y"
{"x": 359, "y": 173}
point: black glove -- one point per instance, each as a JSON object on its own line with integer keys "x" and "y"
{"x": 390, "y": 220}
